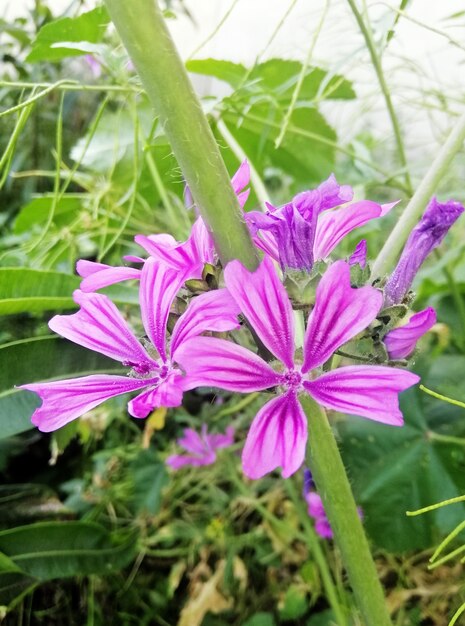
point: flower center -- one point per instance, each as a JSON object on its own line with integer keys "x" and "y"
{"x": 292, "y": 379}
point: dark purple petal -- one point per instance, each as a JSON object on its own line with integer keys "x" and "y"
{"x": 211, "y": 362}
{"x": 65, "y": 400}
{"x": 263, "y": 300}
{"x": 326, "y": 196}
{"x": 367, "y": 390}
{"x": 359, "y": 255}
{"x": 400, "y": 342}
{"x": 159, "y": 285}
{"x": 168, "y": 393}
{"x": 427, "y": 235}
{"x": 333, "y": 226}
{"x": 340, "y": 313}
{"x": 214, "y": 311}
{"x": 277, "y": 438}
{"x": 99, "y": 326}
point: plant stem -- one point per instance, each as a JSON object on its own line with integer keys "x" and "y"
{"x": 367, "y": 35}
{"x": 314, "y": 546}
{"x": 329, "y": 474}
{"x": 417, "y": 204}
{"x": 142, "y": 29}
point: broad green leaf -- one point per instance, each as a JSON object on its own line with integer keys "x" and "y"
{"x": 295, "y": 604}
{"x": 40, "y": 359}
{"x": 278, "y": 77}
{"x": 398, "y": 469}
{"x": 261, "y": 619}
{"x": 14, "y": 584}
{"x": 49, "y": 550}
{"x": 88, "y": 27}
{"x": 24, "y": 290}
{"x": 302, "y": 154}
{"x": 149, "y": 476}
{"x": 37, "y": 211}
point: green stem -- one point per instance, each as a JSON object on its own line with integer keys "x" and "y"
{"x": 439, "y": 396}
{"x": 375, "y": 59}
{"x": 314, "y": 546}
{"x": 143, "y": 31}
{"x": 328, "y": 471}
{"x": 417, "y": 204}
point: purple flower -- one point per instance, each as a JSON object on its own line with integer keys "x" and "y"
{"x": 278, "y": 433}
{"x": 307, "y": 230}
{"x": 99, "y": 326}
{"x": 401, "y": 342}
{"x": 427, "y": 235}
{"x": 202, "y": 448}
{"x": 359, "y": 255}
{"x": 317, "y": 511}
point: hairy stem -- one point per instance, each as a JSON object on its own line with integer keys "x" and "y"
{"x": 413, "y": 211}
{"x": 142, "y": 29}
{"x": 376, "y": 61}
{"x": 330, "y": 477}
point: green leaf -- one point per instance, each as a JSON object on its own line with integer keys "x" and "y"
{"x": 227, "y": 71}
{"x": 13, "y": 585}
{"x": 36, "y": 212}
{"x": 398, "y": 469}
{"x": 49, "y": 550}
{"x": 261, "y": 619}
{"x": 149, "y": 476}
{"x": 295, "y": 604}
{"x": 40, "y": 359}
{"x": 24, "y": 290}
{"x": 88, "y": 27}
{"x": 325, "y": 618}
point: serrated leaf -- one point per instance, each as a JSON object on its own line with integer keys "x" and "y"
{"x": 51, "y": 550}
{"x": 227, "y": 71}
{"x": 40, "y": 359}
{"x": 88, "y": 27}
{"x": 393, "y": 470}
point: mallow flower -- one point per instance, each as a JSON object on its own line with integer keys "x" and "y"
{"x": 427, "y": 235}
{"x": 201, "y": 448}
{"x": 278, "y": 434}
{"x": 188, "y": 257}
{"x": 400, "y": 342}
{"x": 308, "y": 229}
{"x": 152, "y": 366}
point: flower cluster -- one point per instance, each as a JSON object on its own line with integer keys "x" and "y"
{"x": 165, "y": 364}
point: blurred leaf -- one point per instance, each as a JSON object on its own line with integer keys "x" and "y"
{"x": 51, "y": 550}
{"x": 40, "y": 359}
{"x": 88, "y": 27}
{"x": 14, "y": 584}
{"x": 294, "y": 604}
{"x": 325, "y": 618}
{"x": 398, "y": 469}
{"x": 227, "y": 71}
{"x": 260, "y": 619}
{"x": 37, "y": 211}
{"x": 149, "y": 476}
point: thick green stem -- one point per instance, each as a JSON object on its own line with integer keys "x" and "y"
{"x": 331, "y": 480}
{"x": 417, "y": 204}
{"x": 367, "y": 35}
{"x": 142, "y": 29}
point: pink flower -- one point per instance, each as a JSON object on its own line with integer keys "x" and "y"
{"x": 99, "y": 326}
{"x": 278, "y": 434}
{"x": 202, "y": 448}
{"x": 400, "y": 342}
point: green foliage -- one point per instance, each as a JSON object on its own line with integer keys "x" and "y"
{"x": 52, "y": 39}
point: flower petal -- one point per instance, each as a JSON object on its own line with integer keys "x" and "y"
{"x": 86, "y": 268}
{"x": 159, "y": 285}
{"x": 241, "y": 178}
{"x": 99, "y": 326}
{"x": 65, "y": 400}
{"x": 175, "y": 255}
{"x": 192, "y": 441}
{"x": 108, "y": 276}
{"x": 211, "y": 362}
{"x": 333, "y": 226}
{"x": 167, "y": 393}
{"x": 370, "y": 391}
{"x": 400, "y": 342}
{"x": 359, "y": 255}
{"x": 176, "y": 461}
{"x": 277, "y": 438}
{"x": 218, "y": 440}
{"x": 263, "y": 300}
{"x": 215, "y": 311}
{"x": 339, "y": 314}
